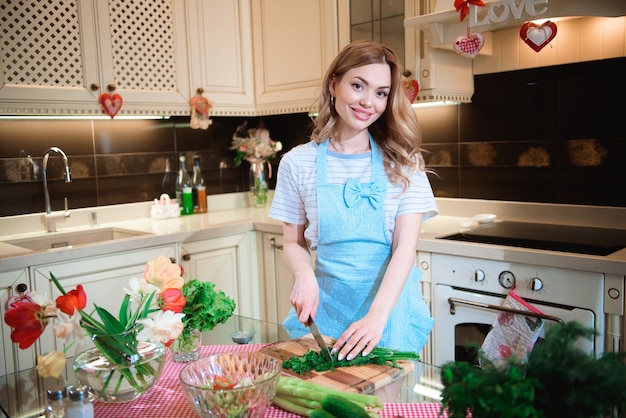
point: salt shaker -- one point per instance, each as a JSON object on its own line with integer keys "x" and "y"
{"x": 79, "y": 405}
{"x": 55, "y": 406}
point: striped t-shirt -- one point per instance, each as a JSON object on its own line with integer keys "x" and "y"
{"x": 295, "y": 197}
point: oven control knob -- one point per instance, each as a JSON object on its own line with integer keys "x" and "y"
{"x": 536, "y": 284}
{"x": 507, "y": 279}
{"x": 479, "y": 275}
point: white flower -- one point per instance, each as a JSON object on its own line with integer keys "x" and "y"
{"x": 68, "y": 327}
{"x": 278, "y": 146}
{"x": 161, "y": 327}
{"x": 137, "y": 288}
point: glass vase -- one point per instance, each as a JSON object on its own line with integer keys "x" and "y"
{"x": 118, "y": 368}
{"x": 258, "y": 183}
{"x": 186, "y": 347}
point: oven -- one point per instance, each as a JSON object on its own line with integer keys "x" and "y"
{"x": 467, "y": 293}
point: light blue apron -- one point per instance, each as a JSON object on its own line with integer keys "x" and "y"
{"x": 353, "y": 252}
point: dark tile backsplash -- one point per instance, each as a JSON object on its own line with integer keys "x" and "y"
{"x": 553, "y": 135}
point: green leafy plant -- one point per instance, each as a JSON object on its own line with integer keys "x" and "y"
{"x": 558, "y": 379}
{"x": 205, "y": 308}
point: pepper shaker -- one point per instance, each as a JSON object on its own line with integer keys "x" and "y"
{"x": 55, "y": 406}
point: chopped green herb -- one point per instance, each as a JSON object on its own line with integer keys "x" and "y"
{"x": 312, "y": 360}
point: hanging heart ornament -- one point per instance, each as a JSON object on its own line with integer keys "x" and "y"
{"x": 201, "y": 104}
{"x": 111, "y": 103}
{"x": 469, "y": 46}
{"x": 537, "y": 36}
{"x": 411, "y": 88}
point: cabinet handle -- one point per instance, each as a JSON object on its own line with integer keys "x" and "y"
{"x": 111, "y": 87}
{"x": 21, "y": 288}
{"x": 94, "y": 86}
{"x": 186, "y": 257}
{"x": 274, "y": 246}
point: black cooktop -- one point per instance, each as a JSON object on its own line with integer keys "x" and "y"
{"x": 574, "y": 239}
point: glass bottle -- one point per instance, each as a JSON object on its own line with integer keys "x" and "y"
{"x": 79, "y": 405}
{"x": 184, "y": 188}
{"x": 55, "y": 405}
{"x": 199, "y": 188}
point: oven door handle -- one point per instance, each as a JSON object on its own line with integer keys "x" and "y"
{"x": 452, "y": 301}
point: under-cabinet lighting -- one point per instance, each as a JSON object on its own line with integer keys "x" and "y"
{"x": 82, "y": 117}
{"x": 434, "y": 104}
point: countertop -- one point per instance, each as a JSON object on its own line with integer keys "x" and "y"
{"x": 228, "y": 214}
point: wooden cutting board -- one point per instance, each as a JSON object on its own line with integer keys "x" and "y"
{"x": 359, "y": 379}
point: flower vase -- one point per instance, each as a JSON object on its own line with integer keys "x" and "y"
{"x": 118, "y": 368}
{"x": 258, "y": 183}
{"x": 186, "y": 347}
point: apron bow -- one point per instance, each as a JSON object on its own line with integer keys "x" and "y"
{"x": 375, "y": 193}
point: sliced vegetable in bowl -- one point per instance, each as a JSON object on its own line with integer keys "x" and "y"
{"x": 233, "y": 385}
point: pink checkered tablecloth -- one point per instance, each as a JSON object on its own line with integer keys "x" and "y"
{"x": 166, "y": 398}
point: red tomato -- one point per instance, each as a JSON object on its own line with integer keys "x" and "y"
{"x": 221, "y": 382}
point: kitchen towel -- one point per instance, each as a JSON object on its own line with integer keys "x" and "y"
{"x": 512, "y": 335}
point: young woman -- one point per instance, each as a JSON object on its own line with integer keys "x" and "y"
{"x": 357, "y": 194}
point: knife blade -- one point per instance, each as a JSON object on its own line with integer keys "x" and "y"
{"x": 320, "y": 341}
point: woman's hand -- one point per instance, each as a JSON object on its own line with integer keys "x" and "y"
{"x": 361, "y": 336}
{"x": 305, "y": 298}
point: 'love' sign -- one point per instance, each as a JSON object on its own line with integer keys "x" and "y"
{"x": 503, "y": 10}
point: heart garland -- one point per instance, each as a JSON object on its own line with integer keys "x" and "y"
{"x": 111, "y": 103}
{"x": 411, "y": 88}
{"x": 537, "y": 36}
{"x": 469, "y": 46}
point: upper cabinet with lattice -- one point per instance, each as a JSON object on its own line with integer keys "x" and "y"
{"x": 58, "y": 56}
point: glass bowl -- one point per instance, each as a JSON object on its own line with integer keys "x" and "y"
{"x": 208, "y": 384}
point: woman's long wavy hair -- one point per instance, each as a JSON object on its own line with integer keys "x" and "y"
{"x": 396, "y": 132}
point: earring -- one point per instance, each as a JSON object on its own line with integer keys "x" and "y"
{"x": 332, "y": 100}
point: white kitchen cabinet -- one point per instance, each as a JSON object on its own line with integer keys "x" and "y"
{"x": 103, "y": 279}
{"x": 255, "y": 57}
{"x": 12, "y": 357}
{"x": 229, "y": 263}
{"x": 58, "y": 57}
{"x": 294, "y": 43}
{"x": 278, "y": 278}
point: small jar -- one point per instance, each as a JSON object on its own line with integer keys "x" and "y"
{"x": 79, "y": 405}
{"x": 55, "y": 406}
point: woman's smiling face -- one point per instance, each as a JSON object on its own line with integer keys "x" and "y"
{"x": 361, "y": 96}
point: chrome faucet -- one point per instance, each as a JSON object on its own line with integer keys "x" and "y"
{"x": 50, "y": 220}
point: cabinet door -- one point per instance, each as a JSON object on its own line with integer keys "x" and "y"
{"x": 143, "y": 54}
{"x": 12, "y": 358}
{"x": 278, "y": 278}
{"x": 49, "y": 57}
{"x": 227, "y": 262}
{"x": 103, "y": 279}
{"x": 294, "y": 42}
{"x": 221, "y": 61}
{"x": 58, "y": 58}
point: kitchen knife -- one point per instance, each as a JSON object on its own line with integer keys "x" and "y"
{"x": 320, "y": 341}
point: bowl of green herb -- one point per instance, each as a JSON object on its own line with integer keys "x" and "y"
{"x": 231, "y": 385}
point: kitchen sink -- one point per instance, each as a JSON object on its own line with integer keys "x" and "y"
{"x": 53, "y": 240}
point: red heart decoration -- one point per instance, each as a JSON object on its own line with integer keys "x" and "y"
{"x": 537, "y": 36}
{"x": 111, "y": 104}
{"x": 469, "y": 46}
{"x": 411, "y": 88}
{"x": 201, "y": 104}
